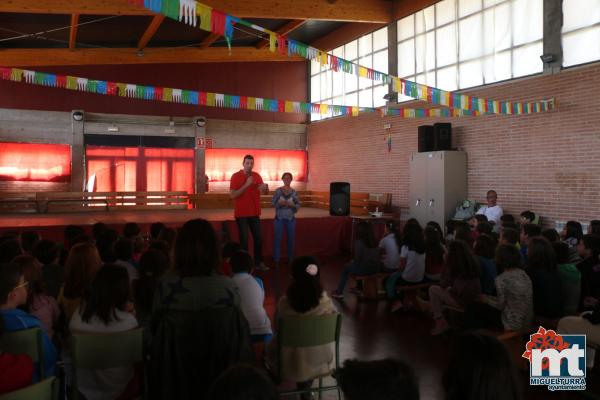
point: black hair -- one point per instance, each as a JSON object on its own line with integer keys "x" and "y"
{"x": 169, "y": 236}
{"x": 46, "y": 251}
{"x": 248, "y": 157}
{"x": 155, "y": 229}
{"x": 241, "y": 261}
{"x": 196, "y": 250}
{"x": 106, "y": 245}
{"x": 480, "y": 218}
{"x": 451, "y": 225}
{"x": 9, "y": 249}
{"x": 364, "y": 233}
{"x": 434, "y": 248}
{"x": 507, "y": 218}
{"x": 108, "y": 293}
{"x": 98, "y": 229}
{"x": 561, "y": 249}
{"x": 532, "y": 230}
{"x": 510, "y": 235}
{"x": 484, "y": 228}
{"x": 153, "y": 264}
{"x": 71, "y": 232}
{"x": 288, "y": 174}
{"x": 394, "y": 228}
{"x": 510, "y": 225}
{"x": 10, "y": 274}
{"x": 507, "y": 257}
{"x": 230, "y": 249}
{"x": 131, "y": 230}
{"x": 529, "y": 215}
{"x": 413, "y": 238}
{"x": 551, "y": 235}
{"x": 460, "y": 261}
{"x": 124, "y": 249}
{"x": 463, "y": 232}
{"x": 243, "y": 382}
{"x": 305, "y": 290}
{"x": 595, "y": 227}
{"x": 592, "y": 242}
{"x": 438, "y": 228}
{"x": 540, "y": 255}
{"x": 161, "y": 246}
{"x": 484, "y": 247}
{"x": 385, "y": 379}
{"x": 574, "y": 230}
{"x": 480, "y": 368}
{"x": 28, "y": 241}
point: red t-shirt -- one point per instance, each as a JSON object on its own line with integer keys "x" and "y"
{"x": 248, "y": 203}
{"x": 16, "y": 372}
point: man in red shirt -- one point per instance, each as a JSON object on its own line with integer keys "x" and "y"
{"x": 245, "y": 189}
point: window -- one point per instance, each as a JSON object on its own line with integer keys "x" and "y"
{"x": 456, "y": 44}
{"x": 341, "y": 88}
{"x": 580, "y": 31}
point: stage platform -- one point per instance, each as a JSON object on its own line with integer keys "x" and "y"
{"x": 317, "y": 233}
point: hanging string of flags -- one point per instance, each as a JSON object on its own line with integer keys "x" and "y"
{"x": 209, "y": 99}
{"x": 207, "y": 18}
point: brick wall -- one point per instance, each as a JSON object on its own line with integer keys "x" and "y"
{"x": 547, "y": 163}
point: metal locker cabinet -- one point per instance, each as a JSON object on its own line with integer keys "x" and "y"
{"x": 438, "y": 183}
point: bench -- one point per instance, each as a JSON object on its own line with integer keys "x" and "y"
{"x": 372, "y": 285}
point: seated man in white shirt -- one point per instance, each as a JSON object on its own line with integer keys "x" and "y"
{"x": 492, "y": 211}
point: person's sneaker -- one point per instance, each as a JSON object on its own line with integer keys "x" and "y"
{"x": 261, "y": 267}
{"x": 337, "y": 295}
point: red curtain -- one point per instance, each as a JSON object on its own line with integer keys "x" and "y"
{"x": 140, "y": 169}
{"x": 35, "y": 162}
{"x": 270, "y": 164}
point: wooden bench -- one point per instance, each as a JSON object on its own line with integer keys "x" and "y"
{"x": 411, "y": 292}
{"x": 372, "y": 285}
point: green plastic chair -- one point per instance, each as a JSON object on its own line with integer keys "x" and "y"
{"x": 309, "y": 331}
{"x": 44, "y": 390}
{"x": 105, "y": 350}
{"x": 26, "y": 341}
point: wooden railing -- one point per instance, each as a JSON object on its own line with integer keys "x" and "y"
{"x": 49, "y": 202}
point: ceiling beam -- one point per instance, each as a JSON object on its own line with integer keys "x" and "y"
{"x": 343, "y": 35}
{"x": 331, "y": 10}
{"x": 150, "y": 31}
{"x": 73, "y": 31}
{"x": 403, "y": 8}
{"x": 210, "y": 39}
{"x": 49, "y": 57}
{"x": 284, "y": 30}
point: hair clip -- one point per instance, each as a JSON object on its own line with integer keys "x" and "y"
{"x": 312, "y": 269}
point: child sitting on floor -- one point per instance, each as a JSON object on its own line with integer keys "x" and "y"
{"x": 434, "y": 254}
{"x": 570, "y": 279}
{"x": 571, "y": 234}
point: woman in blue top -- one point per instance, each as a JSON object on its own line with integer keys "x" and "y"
{"x": 286, "y": 203}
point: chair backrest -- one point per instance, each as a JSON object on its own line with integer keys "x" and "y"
{"x": 107, "y": 350}
{"x": 26, "y": 341}
{"x": 44, "y": 390}
{"x": 308, "y": 331}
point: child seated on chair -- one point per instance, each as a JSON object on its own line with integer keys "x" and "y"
{"x": 460, "y": 284}
{"x": 528, "y": 231}
{"x": 304, "y": 297}
{"x": 16, "y": 370}
{"x": 390, "y": 246}
{"x": 13, "y": 293}
{"x": 512, "y": 306}
{"x": 252, "y": 296}
{"x": 571, "y": 234}
{"x": 366, "y": 257}
{"x": 570, "y": 279}
{"x": 434, "y": 254}
{"x": 412, "y": 263}
{"x": 105, "y": 309}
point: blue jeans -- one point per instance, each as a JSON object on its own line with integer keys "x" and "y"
{"x": 354, "y": 269}
{"x": 253, "y": 223}
{"x": 290, "y": 229}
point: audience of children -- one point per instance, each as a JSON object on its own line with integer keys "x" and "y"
{"x": 571, "y": 234}
{"x": 47, "y": 252}
{"x": 527, "y": 217}
{"x": 542, "y": 268}
{"x": 390, "y": 246}
{"x": 153, "y": 265}
{"x": 124, "y": 254}
{"x": 434, "y": 253}
{"x": 570, "y": 279}
{"x": 528, "y": 230}
{"x": 484, "y": 250}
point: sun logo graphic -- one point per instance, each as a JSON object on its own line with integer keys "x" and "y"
{"x": 557, "y": 361}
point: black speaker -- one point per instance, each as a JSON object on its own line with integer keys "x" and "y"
{"x": 442, "y": 136}
{"x": 426, "y": 140}
{"x": 339, "y": 198}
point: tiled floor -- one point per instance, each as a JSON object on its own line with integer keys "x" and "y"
{"x": 370, "y": 331}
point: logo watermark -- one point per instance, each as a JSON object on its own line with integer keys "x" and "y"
{"x": 556, "y": 361}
